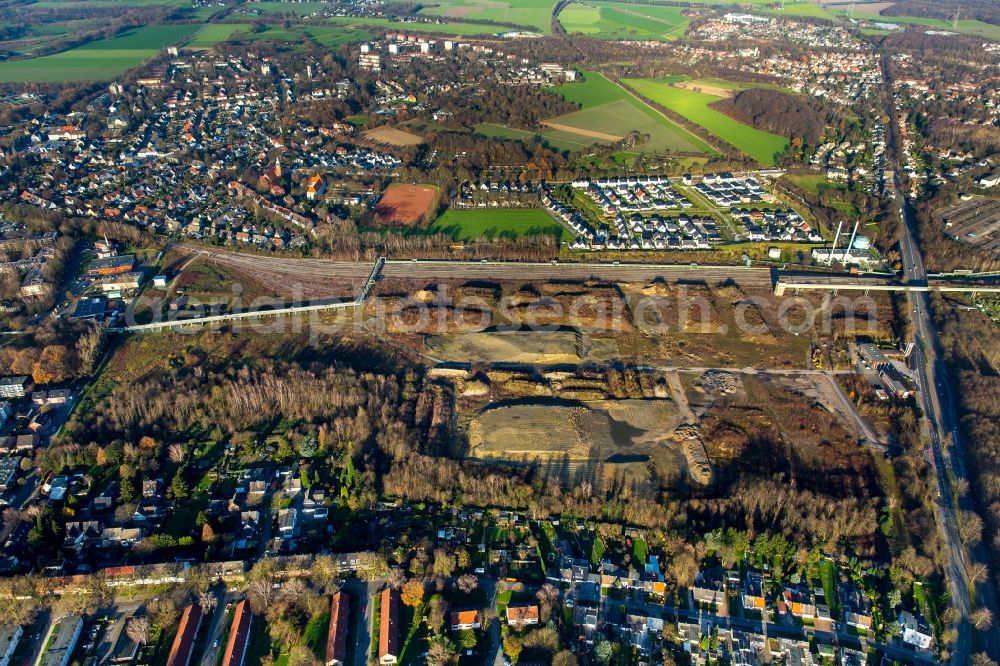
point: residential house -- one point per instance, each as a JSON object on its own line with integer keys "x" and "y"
{"x": 466, "y": 619}
{"x": 187, "y": 631}
{"x": 79, "y": 533}
{"x": 14, "y": 387}
{"x": 10, "y": 636}
{"x": 287, "y": 522}
{"x": 799, "y": 601}
{"x": 752, "y": 592}
{"x": 61, "y": 641}
{"x": 315, "y": 188}
{"x": 522, "y": 616}
{"x": 336, "y": 642}
{"x": 916, "y": 630}
{"x": 239, "y": 635}
{"x": 709, "y": 588}
{"x": 388, "y": 627}
{"x": 857, "y": 608}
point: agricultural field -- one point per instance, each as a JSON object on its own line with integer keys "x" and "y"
{"x": 621, "y": 21}
{"x": 609, "y": 112}
{"x": 214, "y": 33}
{"x": 761, "y": 146}
{"x": 96, "y": 61}
{"x": 470, "y": 224}
{"x": 534, "y": 14}
{"x": 562, "y": 141}
{"x": 405, "y": 205}
{"x": 392, "y": 136}
{"x": 443, "y": 28}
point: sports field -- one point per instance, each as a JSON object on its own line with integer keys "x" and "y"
{"x": 533, "y": 14}
{"x": 603, "y": 20}
{"x": 470, "y": 224}
{"x": 694, "y": 106}
{"x": 609, "y": 109}
{"x": 405, "y": 205}
{"x": 98, "y": 60}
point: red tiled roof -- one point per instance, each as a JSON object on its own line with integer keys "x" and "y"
{"x": 180, "y": 651}
{"x": 388, "y": 626}
{"x": 239, "y": 634}
{"x": 336, "y": 644}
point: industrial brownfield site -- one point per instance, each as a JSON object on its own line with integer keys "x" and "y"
{"x": 499, "y": 333}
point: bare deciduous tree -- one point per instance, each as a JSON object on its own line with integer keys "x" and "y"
{"x": 137, "y": 629}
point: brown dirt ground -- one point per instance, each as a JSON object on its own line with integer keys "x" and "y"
{"x": 393, "y": 136}
{"x": 405, "y": 205}
{"x": 590, "y": 134}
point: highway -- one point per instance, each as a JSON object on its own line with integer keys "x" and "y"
{"x": 941, "y": 420}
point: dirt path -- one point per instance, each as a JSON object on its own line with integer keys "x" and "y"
{"x": 680, "y": 397}
{"x": 601, "y": 136}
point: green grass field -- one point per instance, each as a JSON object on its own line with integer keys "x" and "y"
{"x": 560, "y": 141}
{"x": 96, "y": 61}
{"x": 334, "y": 37}
{"x": 694, "y": 106}
{"x": 457, "y": 29}
{"x": 297, "y": 8}
{"x": 214, "y": 33}
{"x": 816, "y": 184}
{"x": 621, "y": 21}
{"x": 470, "y": 224}
{"x": 965, "y": 26}
{"x": 536, "y": 14}
{"x": 610, "y": 109}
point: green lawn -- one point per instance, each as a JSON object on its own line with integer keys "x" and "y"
{"x": 536, "y": 14}
{"x": 316, "y": 632}
{"x": 761, "y": 146}
{"x": 471, "y": 224}
{"x": 446, "y": 28}
{"x": 297, "y": 8}
{"x": 966, "y": 27}
{"x": 96, "y": 61}
{"x": 335, "y": 37}
{"x": 620, "y": 21}
{"x": 214, "y": 33}
{"x": 611, "y": 109}
{"x": 621, "y": 116}
{"x": 816, "y": 184}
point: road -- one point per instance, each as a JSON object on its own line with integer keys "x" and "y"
{"x": 941, "y": 420}
{"x": 213, "y": 636}
{"x": 363, "y": 591}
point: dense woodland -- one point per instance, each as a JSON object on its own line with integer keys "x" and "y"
{"x": 968, "y": 341}
{"x": 793, "y": 116}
